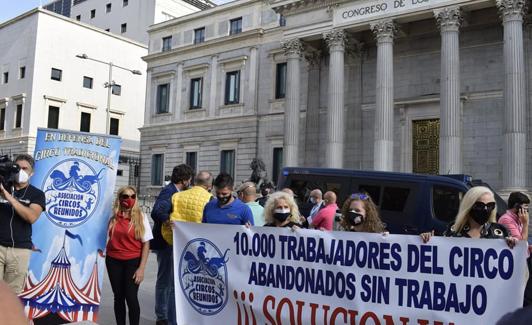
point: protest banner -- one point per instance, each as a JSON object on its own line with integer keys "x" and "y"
{"x": 260, "y": 275}
{"x": 77, "y": 173}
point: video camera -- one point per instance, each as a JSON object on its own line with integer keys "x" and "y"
{"x": 8, "y": 172}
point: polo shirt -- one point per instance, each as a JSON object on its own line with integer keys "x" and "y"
{"x": 236, "y": 213}
{"x": 122, "y": 244}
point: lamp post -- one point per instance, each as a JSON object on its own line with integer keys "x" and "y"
{"x": 109, "y": 84}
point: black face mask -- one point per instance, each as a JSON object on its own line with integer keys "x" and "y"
{"x": 223, "y": 200}
{"x": 281, "y": 216}
{"x": 480, "y": 212}
{"x": 354, "y": 218}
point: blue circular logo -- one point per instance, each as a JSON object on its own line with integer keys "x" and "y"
{"x": 72, "y": 192}
{"x": 203, "y": 276}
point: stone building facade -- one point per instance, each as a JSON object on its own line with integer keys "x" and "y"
{"x": 435, "y": 86}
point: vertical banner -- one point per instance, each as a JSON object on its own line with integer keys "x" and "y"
{"x": 77, "y": 173}
{"x": 227, "y": 274}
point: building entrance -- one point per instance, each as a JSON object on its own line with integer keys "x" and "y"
{"x": 425, "y": 146}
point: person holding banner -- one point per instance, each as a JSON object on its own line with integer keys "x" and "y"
{"x": 360, "y": 214}
{"x": 164, "y": 285}
{"x": 18, "y": 212}
{"x": 127, "y": 249}
{"x": 476, "y": 218}
{"x": 281, "y": 211}
{"x": 226, "y": 209}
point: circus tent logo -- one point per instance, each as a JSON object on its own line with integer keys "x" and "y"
{"x": 57, "y": 293}
{"x": 72, "y": 192}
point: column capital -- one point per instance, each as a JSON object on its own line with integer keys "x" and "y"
{"x": 292, "y": 47}
{"x": 384, "y": 30}
{"x": 335, "y": 39}
{"x": 449, "y": 18}
{"x": 313, "y": 57}
{"x": 512, "y": 9}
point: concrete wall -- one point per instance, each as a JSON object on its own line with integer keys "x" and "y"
{"x": 18, "y": 42}
{"x": 58, "y": 42}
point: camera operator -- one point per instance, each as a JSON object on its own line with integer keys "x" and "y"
{"x": 21, "y": 210}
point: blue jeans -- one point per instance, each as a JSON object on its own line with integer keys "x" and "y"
{"x": 164, "y": 287}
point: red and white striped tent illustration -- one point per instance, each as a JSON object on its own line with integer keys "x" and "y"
{"x": 57, "y": 293}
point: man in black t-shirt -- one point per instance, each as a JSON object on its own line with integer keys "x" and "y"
{"x": 17, "y": 213}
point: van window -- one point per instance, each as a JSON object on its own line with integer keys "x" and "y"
{"x": 394, "y": 198}
{"x": 303, "y": 185}
{"x": 373, "y": 191}
{"x": 445, "y": 202}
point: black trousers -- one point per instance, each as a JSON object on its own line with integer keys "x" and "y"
{"x": 124, "y": 289}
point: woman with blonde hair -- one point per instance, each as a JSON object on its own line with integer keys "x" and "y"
{"x": 360, "y": 214}
{"x": 127, "y": 250}
{"x": 281, "y": 211}
{"x": 476, "y": 218}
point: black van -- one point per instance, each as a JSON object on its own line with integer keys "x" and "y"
{"x": 408, "y": 203}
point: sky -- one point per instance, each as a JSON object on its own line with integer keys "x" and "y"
{"x": 12, "y": 8}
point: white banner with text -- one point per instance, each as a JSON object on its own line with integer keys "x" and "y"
{"x": 237, "y": 275}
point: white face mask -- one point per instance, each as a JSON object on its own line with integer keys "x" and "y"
{"x": 23, "y": 177}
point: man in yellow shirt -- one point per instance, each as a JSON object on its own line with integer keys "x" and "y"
{"x": 188, "y": 205}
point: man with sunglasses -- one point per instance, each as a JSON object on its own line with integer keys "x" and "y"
{"x": 324, "y": 219}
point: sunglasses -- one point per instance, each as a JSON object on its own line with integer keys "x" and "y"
{"x": 484, "y": 206}
{"x": 360, "y": 196}
{"x": 125, "y": 196}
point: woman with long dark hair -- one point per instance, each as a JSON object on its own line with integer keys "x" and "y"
{"x": 127, "y": 253}
{"x": 359, "y": 214}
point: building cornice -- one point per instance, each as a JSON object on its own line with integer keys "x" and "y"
{"x": 210, "y": 121}
{"x": 229, "y": 39}
{"x": 55, "y": 99}
{"x": 201, "y": 14}
{"x": 290, "y": 7}
{"x": 19, "y": 96}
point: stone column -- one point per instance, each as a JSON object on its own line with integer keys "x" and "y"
{"x": 178, "y": 110}
{"x": 384, "y": 31}
{"x": 312, "y": 123}
{"x": 293, "y": 50}
{"x": 514, "y": 145}
{"x": 149, "y": 104}
{"x": 449, "y": 20}
{"x": 213, "y": 86}
{"x": 334, "y": 153}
